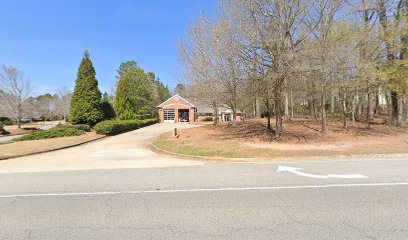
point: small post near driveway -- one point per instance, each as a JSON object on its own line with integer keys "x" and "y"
{"x": 175, "y": 132}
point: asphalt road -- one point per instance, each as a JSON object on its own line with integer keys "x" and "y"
{"x": 210, "y": 201}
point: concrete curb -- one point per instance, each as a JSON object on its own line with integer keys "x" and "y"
{"x": 270, "y": 160}
{"x": 51, "y": 150}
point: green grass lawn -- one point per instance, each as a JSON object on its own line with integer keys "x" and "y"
{"x": 187, "y": 149}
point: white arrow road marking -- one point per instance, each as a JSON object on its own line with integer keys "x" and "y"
{"x": 297, "y": 172}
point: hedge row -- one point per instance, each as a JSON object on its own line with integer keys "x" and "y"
{"x": 52, "y": 133}
{"x": 83, "y": 127}
{"x": 111, "y": 127}
{"x": 208, "y": 119}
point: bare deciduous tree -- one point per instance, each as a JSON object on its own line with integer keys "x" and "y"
{"x": 302, "y": 57}
{"x": 64, "y": 102}
{"x": 14, "y": 90}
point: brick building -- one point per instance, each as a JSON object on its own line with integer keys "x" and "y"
{"x": 177, "y": 109}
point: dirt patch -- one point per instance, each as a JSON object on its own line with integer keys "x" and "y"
{"x": 302, "y": 137}
{"x": 24, "y": 148}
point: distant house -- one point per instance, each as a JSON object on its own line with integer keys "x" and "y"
{"x": 224, "y": 113}
{"x": 178, "y": 109}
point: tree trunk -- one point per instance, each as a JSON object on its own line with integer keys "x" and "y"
{"x": 406, "y": 108}
{"x": 286, "y": 103}
{"x": 389, "y": 108}
{"x": 377, "y": 109}
{"x": 332, "y": 103}
{"x": 268, "y": 111}
{"x": 215, "y": 108}
{"x": 400, "y": 120}
{"x": 353, "y": 108}
{"x": 345, "y": 124}
{"x": 234, "y": 117}
{"x": 370, "y": 113}
{"x": 254, "y": 110}
{"x": 257, "y": 108}
{"x": 359, "y": 106}
{"x": 394, "y": 108}
{"x": 291, "y": 105}
{"x": 19, "y": 115}
{"x": 278, "y": 111}
{"x": 323, "y": 107}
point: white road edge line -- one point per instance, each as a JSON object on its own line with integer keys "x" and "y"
{"x": 203, "y": 190}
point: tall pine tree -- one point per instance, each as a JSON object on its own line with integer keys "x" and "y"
{"x": 134, "y": 95}
{"x": 86, "y": 99}
{"x": 107, "y": 107}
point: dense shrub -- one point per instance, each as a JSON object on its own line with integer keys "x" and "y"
{"x": 83, "y": 127}
{"x": 208, "y": 119}
{"x": 112, "y": 127}
{"x": 107, "y": 108}
{"x": 6, "y": 121}
{"x": 2, "y": 130}
{"x": 52, "y": 133}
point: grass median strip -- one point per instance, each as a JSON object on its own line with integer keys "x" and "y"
{"x": 182, "y": 148}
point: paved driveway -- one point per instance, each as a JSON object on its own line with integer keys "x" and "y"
{"x": 127, "y": 150}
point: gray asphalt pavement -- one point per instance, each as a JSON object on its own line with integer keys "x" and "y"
{"x": 210, "y": 201}
{"x": 9, "y": 138}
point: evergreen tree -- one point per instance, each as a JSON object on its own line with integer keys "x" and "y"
{"x": 107, "y": 107}
{"x": 163, "y": 91}
{"x": 151, "y": 76}
{"x": 180, "y": 89}
{"x": 86, "y": 99}
{"x": 125, "y": 66}
{"x": 134, "y": 95}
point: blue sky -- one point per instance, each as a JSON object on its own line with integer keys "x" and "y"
{"x": 46, "y": 38}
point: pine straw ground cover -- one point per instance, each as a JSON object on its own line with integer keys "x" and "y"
{"x": 22, "y": 148}
{"x": 302, "y": 137}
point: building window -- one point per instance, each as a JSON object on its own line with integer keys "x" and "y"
{"x": 169, "y": 114}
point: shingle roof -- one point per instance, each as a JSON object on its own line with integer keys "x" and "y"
{"x": 202, "y": 108}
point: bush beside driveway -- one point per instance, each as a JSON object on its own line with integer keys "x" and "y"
{"x": 112, "y": 127}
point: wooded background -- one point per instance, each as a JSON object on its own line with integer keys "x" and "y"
{"x": 288, "y": 58}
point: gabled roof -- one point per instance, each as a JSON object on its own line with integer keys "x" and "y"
{"x": 180, "y": 97}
